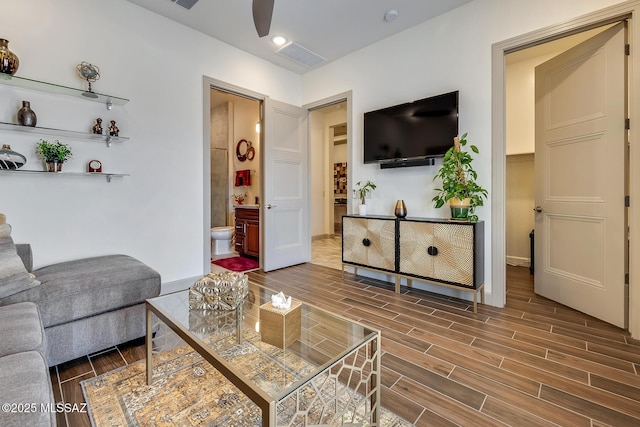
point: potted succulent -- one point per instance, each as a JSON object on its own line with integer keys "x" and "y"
{"x": 53, "y": 153}
{"x": 363, "y": 189}
{"x": 459, "y": 186}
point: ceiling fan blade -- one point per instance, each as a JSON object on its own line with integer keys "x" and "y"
{"x": 262, "y": 12}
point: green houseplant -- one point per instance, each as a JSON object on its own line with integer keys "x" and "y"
{"x": 363, "y": 189}
{"x": 53, "y": 153}
{"x": 459, "y": 186}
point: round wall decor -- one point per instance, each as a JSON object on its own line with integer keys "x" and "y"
{"x": 244, "y": 150}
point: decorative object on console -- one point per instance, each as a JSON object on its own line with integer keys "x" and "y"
{"x": 218, "y": 291}
{"x": 9, "y": 61}
{"x": 239, "y": 198}
{"x": 113, "y": 129}
{"x": 401, "y": 209}
{"x": 363, "y": 190}
{"x": 459, "y": 182}
{"x": 54, "y": 154}
{"x": 90, "y": 73}
{"x": 94, "y": 166}
{"x": 26, "y": 116}
{"x": 10, "y": 159}
{"x": 97, "y": 128}
{"x": 280, "y": 327}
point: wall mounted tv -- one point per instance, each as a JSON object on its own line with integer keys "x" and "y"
{"x": 411, "y": 134}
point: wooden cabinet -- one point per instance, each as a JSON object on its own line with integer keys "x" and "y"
{"x": 437, "y": 251}
{"x": 247, "y": 228}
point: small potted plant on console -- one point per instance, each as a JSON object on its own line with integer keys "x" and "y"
{"x": 459, "y": 186}
{"x": 364, "y": 189}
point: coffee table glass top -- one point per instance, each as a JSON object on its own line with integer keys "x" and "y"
{"x": 323, "y": 338}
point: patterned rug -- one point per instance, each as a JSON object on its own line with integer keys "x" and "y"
{"x": 237, "y": 263}
{"x": 187, "y": 391}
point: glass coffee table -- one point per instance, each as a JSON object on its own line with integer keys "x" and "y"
{"x": 303, "y": 366}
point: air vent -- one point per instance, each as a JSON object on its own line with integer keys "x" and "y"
{"x": 187, "y": 4}
{"x": 301, "y": 55}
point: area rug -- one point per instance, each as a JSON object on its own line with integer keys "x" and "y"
{"x": 237, "y": 263}
{"x": 187, "y": 391}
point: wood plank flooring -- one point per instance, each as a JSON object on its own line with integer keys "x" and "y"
{"x": 532, "y": 363}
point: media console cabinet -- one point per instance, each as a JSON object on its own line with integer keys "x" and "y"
{"x": 437, "y": 251}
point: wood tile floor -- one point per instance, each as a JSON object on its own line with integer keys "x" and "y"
{"x": 533, "y": 363}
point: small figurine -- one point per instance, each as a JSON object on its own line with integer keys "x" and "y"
{"x": 113, "y": 129}
{"x": 97, "y": 128}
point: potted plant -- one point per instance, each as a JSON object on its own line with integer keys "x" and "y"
{"x": 53, "y": 153}
{"x": 363, "y": 189}
{"x": 459, "y": 186}
{"x": 239, "y": 198}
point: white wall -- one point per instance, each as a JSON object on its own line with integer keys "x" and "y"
{"x": 450, "y": 52}
{"x": 156, "y": 213}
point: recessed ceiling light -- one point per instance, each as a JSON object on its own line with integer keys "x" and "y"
{"x": 278, "y": 40}
{"x": 390, "y": 15}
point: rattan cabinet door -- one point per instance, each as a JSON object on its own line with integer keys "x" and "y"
{"x": 415, "y": 240}
{"x": 369, "y": 242}
{"x": 454, "y": 262}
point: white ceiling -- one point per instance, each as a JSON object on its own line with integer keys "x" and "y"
{"x": 328, "y": 28}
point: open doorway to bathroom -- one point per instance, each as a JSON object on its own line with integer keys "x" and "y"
{"x": 328, "y": 137}
{"x": 235, "y": 156}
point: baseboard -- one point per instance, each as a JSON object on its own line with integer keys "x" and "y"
{"x": 177, "y": 285}
{"x": 320, "y": 237}
{"x": 518, "y": 261}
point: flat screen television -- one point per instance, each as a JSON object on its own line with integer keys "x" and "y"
{"x": 411, "y": 134}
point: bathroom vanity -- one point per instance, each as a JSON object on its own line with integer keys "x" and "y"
{"x": 247, "y": 226}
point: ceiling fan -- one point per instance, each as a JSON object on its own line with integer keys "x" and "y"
{"x": 262, "y": 12}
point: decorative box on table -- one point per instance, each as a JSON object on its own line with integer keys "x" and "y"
{"x": 280, "y": 327}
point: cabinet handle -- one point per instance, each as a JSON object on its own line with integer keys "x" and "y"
{"x": 366, "y": 242}
{"x": 432, "y": 250}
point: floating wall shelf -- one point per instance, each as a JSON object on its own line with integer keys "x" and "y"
{"x": 61, "y": 132}
{"x": 53, "y": 88}
{"x": 107, "y": 175}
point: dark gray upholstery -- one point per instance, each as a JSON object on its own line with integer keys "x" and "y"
{"x": 24, "y": 252}
{"x": 21, "y": 329}
{"x": 25, "y": 380}
{"x": 77, "y": 289}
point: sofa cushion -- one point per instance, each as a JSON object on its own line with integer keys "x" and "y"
{"x": 76, "y": 289}
{"x": 21, "y": 329}
{"x": 14, "y": 277}
{"x": 24, "y": 380}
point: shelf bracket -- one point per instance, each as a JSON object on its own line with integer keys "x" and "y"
{"x": 109, "y": 176}
{"x": 109, "y": 104}
{"x": 108, "y": 140}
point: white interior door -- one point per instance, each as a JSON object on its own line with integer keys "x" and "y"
{"x": 580, "y": 228}
{"x": 285, "y": 209}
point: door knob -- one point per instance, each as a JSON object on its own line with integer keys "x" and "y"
{"x": 269, "y": 206}
{"x": 537, "y": 209}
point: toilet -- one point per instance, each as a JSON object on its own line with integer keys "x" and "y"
{"x": 221, "y": 240}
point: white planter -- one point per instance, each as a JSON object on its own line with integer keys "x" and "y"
{"x": 362, "y": 210}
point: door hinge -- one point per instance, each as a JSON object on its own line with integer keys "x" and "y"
{"x": 627, "y": 124}
{"x": 627, "y": 49}
{"x": 627, "y": 201}
{"x": 626, "y": 278}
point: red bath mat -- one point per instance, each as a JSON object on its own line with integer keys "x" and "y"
{"x": 237, "y": 263}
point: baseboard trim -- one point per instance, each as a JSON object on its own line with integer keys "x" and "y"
{"x": 320, "y": 237}
{"x": 518, "y": 261}
{"x": 177, "y": 285}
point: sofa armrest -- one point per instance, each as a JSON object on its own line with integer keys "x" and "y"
{"x": 24, "y": 252}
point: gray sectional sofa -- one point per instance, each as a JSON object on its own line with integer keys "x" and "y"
{"x": 81, "y": 307}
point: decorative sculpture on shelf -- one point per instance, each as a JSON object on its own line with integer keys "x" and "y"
{"x": 90, "y": 73}
{"x": 113, "y": 129}
{"x": 97, "y": 128}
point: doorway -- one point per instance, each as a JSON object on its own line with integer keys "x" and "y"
{"x": 500, "y": 51}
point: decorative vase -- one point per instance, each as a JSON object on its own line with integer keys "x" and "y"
{"x": 362, "y": 210}
{"x": 26, "y": 116}
{"x": 10, "y": 159}
{"x": 54, "y": 166}
{"x": 459, "y": 208}
{"x": 401, "y": 209}
{"x": 8, "y": 60}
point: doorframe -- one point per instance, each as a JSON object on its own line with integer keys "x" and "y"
{"x": 628, "y": 10}
{"x": 325, "y": 102}
{"x": 209, "y": 83}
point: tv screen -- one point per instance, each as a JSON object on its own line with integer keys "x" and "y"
{"x": 416, "y": 130}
